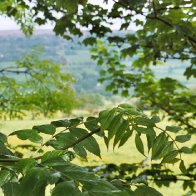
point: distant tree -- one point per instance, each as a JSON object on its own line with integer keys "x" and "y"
{"x": 35, "y": 85}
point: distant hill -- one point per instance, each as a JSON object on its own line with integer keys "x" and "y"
{"x": 75, "y": 58}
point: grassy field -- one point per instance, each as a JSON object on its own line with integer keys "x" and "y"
{"x": 125, "y": 154}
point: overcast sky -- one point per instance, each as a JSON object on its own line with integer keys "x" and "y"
{"x": 8, "y": 24}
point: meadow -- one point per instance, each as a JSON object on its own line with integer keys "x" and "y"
{"x": 124, "y": 154}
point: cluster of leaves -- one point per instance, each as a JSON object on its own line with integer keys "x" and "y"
{"x": 36, "y": 85}
{"x": 154, "y": 94}
{"x": 33, "y": 171}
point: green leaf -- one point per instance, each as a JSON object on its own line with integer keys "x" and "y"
{"x": 106, "y": 117}
{"x": 61, "y": 123}
{"x": 125, "y": 137}
{"x": 24, "y": 165}
{"x": 159, "y": 143}
{"x": 3, "y": 138}
{"x": 114, "y": 126}
{"x": 4, "y": 150}
{"x": 89, "y": 41}
{"x": 139, "y": 144}
{"x": 28, "y": 134}
{"x": 142, "y": 121}
{"x": 52, "y": 154}
{"x": 47, "y": 129}
{"x": 121, "y": 130}
{"x": 174, "y": 129}
{"x": 34, "y": 182}
{"x": 92, "y": 124}
{"x": 182, "y": 138}
{"x": 70, "y": 5}
{"x": 11, "y": 189}
{"x": 80, "y": 151}
{"x": 147, "y": 191}
{"x": 65, "y": 188}
{"x": 89, "y": 143}
{"x": 169, "y": 157}
{"x": 155, "y": 119}
{"x": 186, "y": 150}
{"x": 182, "y": 167}
{"x": 5, "y": 176}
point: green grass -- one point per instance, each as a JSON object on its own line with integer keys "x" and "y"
{"x": 125, "y": 154}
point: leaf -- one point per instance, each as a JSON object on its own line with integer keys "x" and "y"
{"x": 147, "y": 191}
{"x": 47, "y": 129}
{"x": 105, "y": 118}
{"x": 24, "y": 165}
{"x": 52, "y": 154}
{"x": 121, "y": 130}
{"x": 182, "y": 138}
{"x": 155, "y": 119}
{"x": 11, "y": 189}
{"x": 114, "y": 126}
{"x": 4, "y": 150}
{"x": 125, "y": 137}
{"x": 28, "y": 134}
{"x": 5, "y": 176}
{"x": 3, "y": 138}
{"x": 92, "y": 124}
{"x": 89, "y": 143}
{"x": 70, "y": 5}
{"x": 169, "y": 157}
{"x": 80, "y": 151}
{"x": 65, "y": 188}
{"x": 61, "y": 123}
{"x": 89, "y": 41}
{"x": 34, "y": 182}
{"x": 186, "y": 150}
{"x": 159, "y": 143}
{"x": 174, "y": 129}
{"x": 139, "y": 144}
{"x": 182, "y": 167}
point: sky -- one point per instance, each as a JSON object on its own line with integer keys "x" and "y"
{"x": 9, "y": 24}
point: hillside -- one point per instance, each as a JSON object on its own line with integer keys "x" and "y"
{"x": 75, "y": 58}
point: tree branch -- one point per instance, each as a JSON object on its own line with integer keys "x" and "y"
{"x": 82, "y": 138}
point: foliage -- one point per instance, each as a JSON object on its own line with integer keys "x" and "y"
{"x": 165, "y": 30}
{"x": 41, "y": 88}
{"x": 68, "y": 138}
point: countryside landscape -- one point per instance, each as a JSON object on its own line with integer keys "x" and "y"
{"x": 99, "y": 111}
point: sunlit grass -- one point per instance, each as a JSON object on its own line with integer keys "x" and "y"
{"x": 124, "y": 154}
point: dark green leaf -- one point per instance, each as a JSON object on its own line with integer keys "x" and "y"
{"x": 5, "y": 176}
{"x": 159, "y": 144}
{"x": 24, "y": 165}
{"x": 3, "y": 138}
{"x": 182, "y": 167}
{"x": 89, "y": 143}
{"x": 34, "y": 182}
{"x": 169, "y": 157}
{"x": 182, "y": 138}
{"x": 47, "y": 129}
{"x": 139, "y": 144}
{"x": 28, "y": 134}
{"x": 114, "y": 125}
{"x": 174, "y": 129}
{"x": 186, "y": 150}
{"x": 61, "y": 123}
{"x": 65, "y": 188}
{"x": 147, "y": 191}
